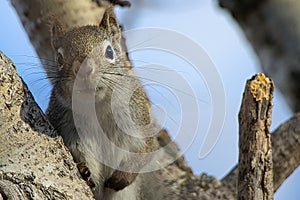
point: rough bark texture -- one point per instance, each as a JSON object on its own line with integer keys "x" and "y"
{"x": 255, "y": 178}
{"x": 285, "y": 150}
{"x": 286, "y": 145}
{"x": 32, "y": 165}
{"x": 273, "y": 29}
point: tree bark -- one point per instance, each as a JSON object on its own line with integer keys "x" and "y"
{"x": 286, "y": 154}
{"x": 255, "y": 178}
{"x": 273, "y": 29}
{"x": 32, "y": 165}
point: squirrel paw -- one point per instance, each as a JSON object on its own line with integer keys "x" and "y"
{"x": 121, "y": 3}
{"x": 114, "y": 2}
{"x": 119, "y": 180}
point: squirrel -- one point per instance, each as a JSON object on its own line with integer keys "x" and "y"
{"x": 93, "y": 57}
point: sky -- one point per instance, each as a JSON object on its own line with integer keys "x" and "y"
{"x": 223, "y": 48}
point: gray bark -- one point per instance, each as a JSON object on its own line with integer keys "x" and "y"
{"x": 255, "y": 178}
{"x": 32, "y": 164}
{"x": 286, "y": 154}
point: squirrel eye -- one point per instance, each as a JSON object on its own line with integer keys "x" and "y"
{"x": 109, "y": 52}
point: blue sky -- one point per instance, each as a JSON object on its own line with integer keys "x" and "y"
{"x": 209, "y": 27}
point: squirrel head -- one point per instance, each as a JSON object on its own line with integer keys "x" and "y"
{"x": 88, "y": 54}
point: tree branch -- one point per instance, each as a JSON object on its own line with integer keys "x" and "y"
{"x": 255, "y": 179}
{"x": 273, "y": 29}
{"x": 286, "y": 154}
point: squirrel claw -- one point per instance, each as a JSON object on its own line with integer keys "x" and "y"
{"x": 85, "y": 174}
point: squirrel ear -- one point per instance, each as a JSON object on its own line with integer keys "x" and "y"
{"x": 109, "y": 22}
{"x": 57, "y": 30}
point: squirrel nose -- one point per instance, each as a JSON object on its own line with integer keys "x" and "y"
{"x": 84, "y": 69}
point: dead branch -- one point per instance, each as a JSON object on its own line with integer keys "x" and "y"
{"x": 255, "y": 178}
